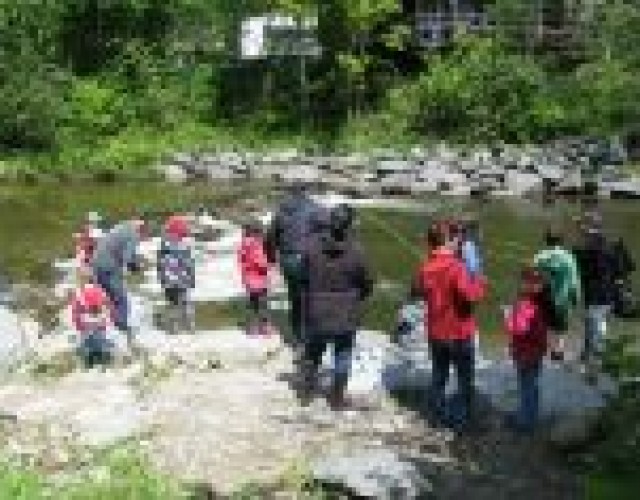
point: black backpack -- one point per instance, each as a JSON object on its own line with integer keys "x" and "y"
{"x": 297, "y": 220}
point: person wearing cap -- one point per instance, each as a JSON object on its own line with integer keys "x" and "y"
{"x": 596, "y": 265}
{"x": 336, "y": 281}
{"x": 116, "y": 252}
{"x": 296, "y": 220}
{"x": 526, "y": 324}
{"x": 176, "y": 272}
{"x": 560, "y": 271}
{"x": 92, "y": 314}
{"x": 449, "y": 292}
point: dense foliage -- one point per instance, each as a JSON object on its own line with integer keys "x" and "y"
{"x": 110, "y": 83}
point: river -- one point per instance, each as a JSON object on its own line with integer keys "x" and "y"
{"x": 36, "y": 223}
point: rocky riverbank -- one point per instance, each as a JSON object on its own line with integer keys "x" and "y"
{"x": 501, "y": 172}
{"x": 217, "y": 408}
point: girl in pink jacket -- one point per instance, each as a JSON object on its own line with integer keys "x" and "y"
{"x": 254, "y": 271}
{"x": 526, "y": 324}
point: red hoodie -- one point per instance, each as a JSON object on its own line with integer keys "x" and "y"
{"x": 448, "y": 291}
{"x": 254, "y": 265}
{"x": 527, "y": 329}
{"x": 88, "y": 299}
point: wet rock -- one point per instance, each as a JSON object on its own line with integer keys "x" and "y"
{"x": 573, "y": 430}
{"x": 371, "y": 473}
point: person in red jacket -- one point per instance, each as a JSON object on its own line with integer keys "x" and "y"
{"x": 449, "y": 292}
{"x": 527, "y": 326}
{"x": 254, "y": 270}
{"x": 92, "y": 315}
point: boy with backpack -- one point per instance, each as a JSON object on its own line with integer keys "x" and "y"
{"x": 559, "y": 270}
{"x": 176, "y": 272}
{"x": 92, "y": 315}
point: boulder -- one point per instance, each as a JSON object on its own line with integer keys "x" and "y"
{"x": 371, "y": 473}
{"x": 573, "y": 430}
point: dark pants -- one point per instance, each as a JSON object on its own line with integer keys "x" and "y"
{"x": 113, "y": 285}
{"x": 181, "y": 314}
{"x": 315, "y": 346}
{"x": 460, "y": 354}
{"x": 258, "y": 307}
{"x": 291, "y": 271}
{"x": 95, "y": 348}
{"x": 529, "y": 389}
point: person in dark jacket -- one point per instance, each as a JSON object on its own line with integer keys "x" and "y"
{"x": 624, "y": 302}
{"x": 596, "y": 266}
{"x": 298, "y": 217}
{"x": 336, "y": 281}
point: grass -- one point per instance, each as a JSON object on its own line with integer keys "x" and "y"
{"x": 118, "y": 473}
{"x": 611, "y": 487}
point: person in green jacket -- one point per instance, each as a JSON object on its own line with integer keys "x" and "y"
{"x": 558, "y": 266}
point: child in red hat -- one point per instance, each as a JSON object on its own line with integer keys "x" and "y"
{"x": 176, "y": 272}
{"x": 92, "y": 315}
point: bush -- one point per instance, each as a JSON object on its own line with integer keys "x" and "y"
{"x": 31, "y": 108}
{"x": 478, "y": 92}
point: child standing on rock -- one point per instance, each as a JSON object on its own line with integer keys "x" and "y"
{"x": 92, "y": 315}
{"x": 254, "y": 270}
{"x": 176, "y": 272}
{"x": 526, "y": 324}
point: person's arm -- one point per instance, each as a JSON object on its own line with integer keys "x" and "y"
{"x": 363, "y": 276}
{"x": 272, "y": 242}
{"x": 574, "y": 279}
{"x": 519, "y": 321}
{"x": 191, "y": 269}
{"x": 470, "y": 288}
{"x": 130, "y": 257}
{"x": 75, "y": 312}
{"x": 110, "y": 308}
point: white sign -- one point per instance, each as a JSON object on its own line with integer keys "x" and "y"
{"x": 275, "y": 34}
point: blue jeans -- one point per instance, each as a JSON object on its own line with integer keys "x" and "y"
{"x": 95, "y": 347}
{"x": 595, "y": 329}
{"x": 113, "y": 285}
{"x": 460, "y": 354}
{"x": 529, "y": 390}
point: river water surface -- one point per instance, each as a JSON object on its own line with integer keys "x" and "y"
{"x": 36, "y": 223}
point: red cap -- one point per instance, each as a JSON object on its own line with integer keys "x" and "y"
{"x": 93, "y": 296}
{"x": 177, "y": 227}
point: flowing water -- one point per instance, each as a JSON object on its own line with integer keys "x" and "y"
{"x": 36, "y": 223}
